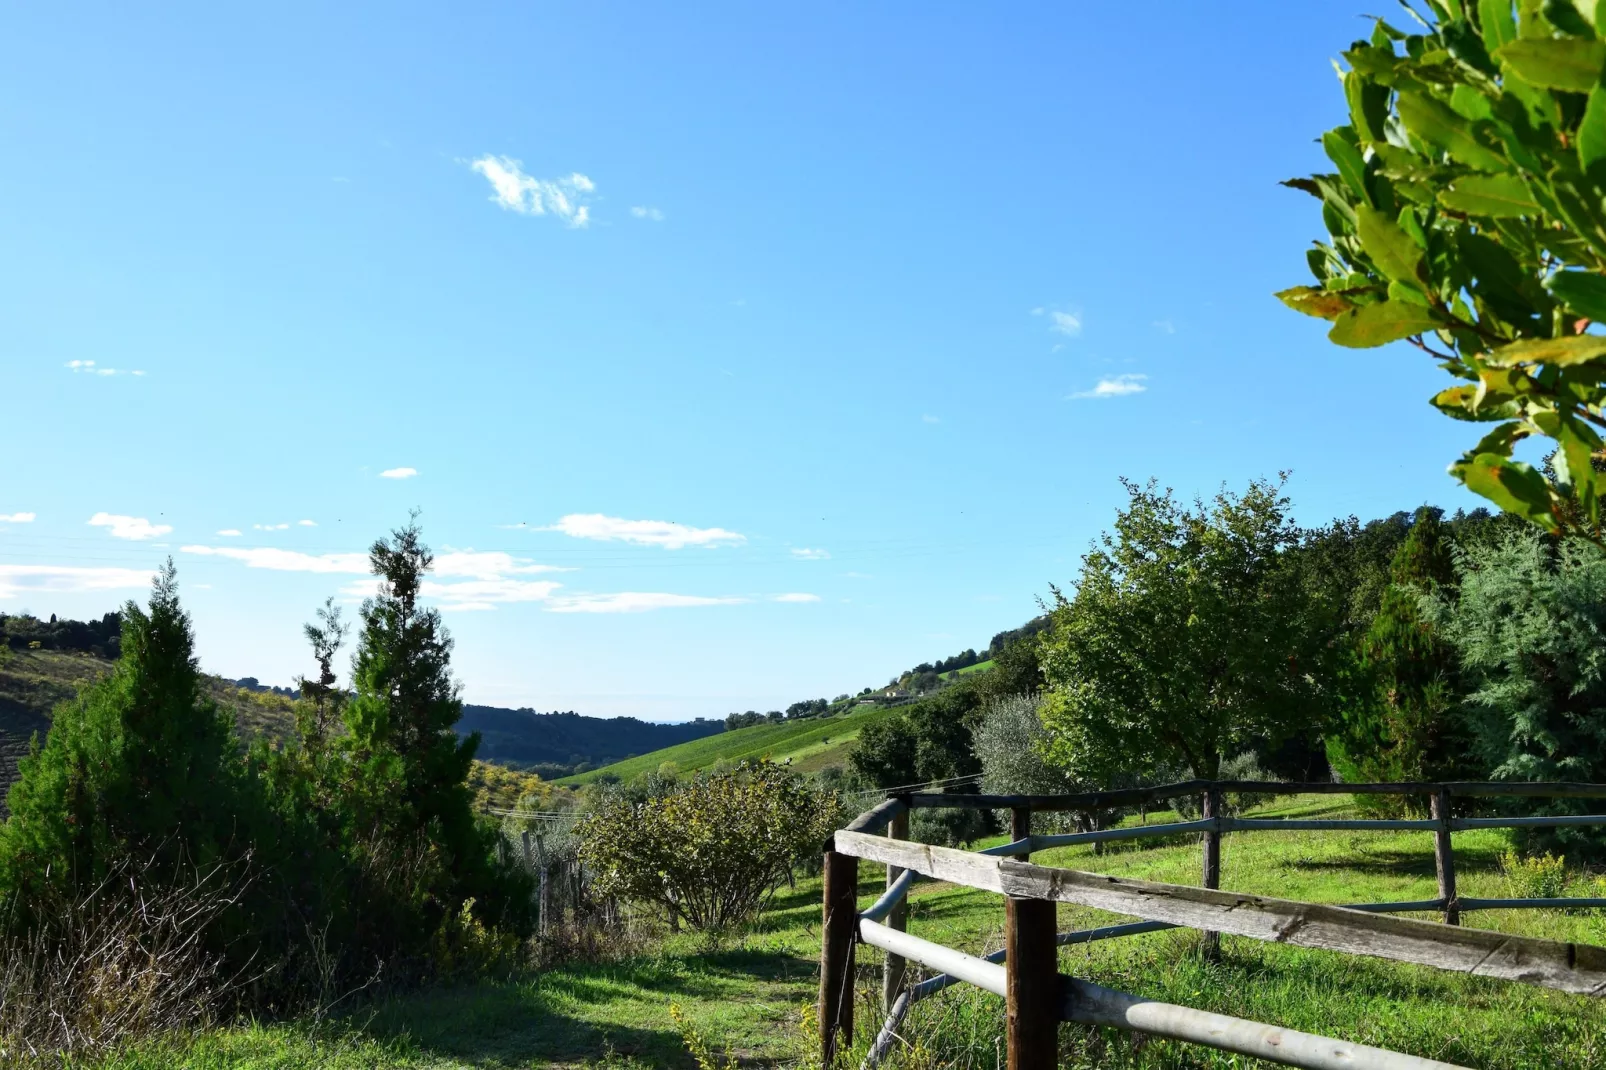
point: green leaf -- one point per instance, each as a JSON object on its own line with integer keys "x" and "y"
{"x": 1351, "y": 167}
{"x": 1495, "y": 196}
{"x": 1315, "y": 301}
{"x": 1499, "y": 28}
{"x": 1567, "y": 63}
{"x": 1592, "y": 130}
{"x": 1445, "y": 130}
{"x": 1559, "y": 352}
{"x": 1390, "y": 248}
{"x": 1582, "y": 291}
{"x": 1578, "y": 203}
{"x": 1368, "y": 106}
{"x": 1386, "y": 321}
{"x": 1512, "y": 485}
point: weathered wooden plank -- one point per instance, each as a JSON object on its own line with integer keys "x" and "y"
{"x": 1569, "y": 967}
{"x": 1085, "y": 801}
{"x": 1444, "y": 855}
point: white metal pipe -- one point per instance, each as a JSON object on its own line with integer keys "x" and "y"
{"x": 1247, "y": 824}
{"x": 1530, "y": 904}
{"x": 979, "y": 972}
{"x": 1559, "y": 821}
{"x": 890, "y": 898}
{"x": 1096, "y": 1005}
{"x": 1136, "y": 832}
{"x": 1018, "y": 847}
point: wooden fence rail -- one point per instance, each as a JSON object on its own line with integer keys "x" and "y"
{"x": 1037, "y": 998}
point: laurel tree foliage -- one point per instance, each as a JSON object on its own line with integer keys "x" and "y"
{"x": 1467, "y": 215}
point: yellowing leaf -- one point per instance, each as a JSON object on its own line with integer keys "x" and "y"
{"x": 1512, "y": 485}
{"x": 1315, "y": 301}
{"x": 1561, "y": 352}
{"x": 1386, "y": 321}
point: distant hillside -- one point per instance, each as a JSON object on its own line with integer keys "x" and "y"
{"x": 810, "y": 744}
{"x": 527, "y": 738}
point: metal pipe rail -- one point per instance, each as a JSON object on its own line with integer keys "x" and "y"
{"x": 1093, "y": 1004}
{"x": 1576, "y": 968}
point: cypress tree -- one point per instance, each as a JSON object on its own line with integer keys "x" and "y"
{"x": 1405, "y": 726}
{"x": 140, "y": 767}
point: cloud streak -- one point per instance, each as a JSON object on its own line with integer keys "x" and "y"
{"x": 797, "y": 596}
{"x": 18, "y": 581}
{"x": 16, "y": 518}
{"x": 128, "y": 527}
{"x": 1115, "y": 387}
{"x": 642, "y": 211}
{"x": 803, "y": 553}
{"x": 515, "y": 191}
{"x": 633, "y": 602}
{"x": 664, "y": 533}
{"x": 89, "y": 367}
{"x": 398, "y": 473}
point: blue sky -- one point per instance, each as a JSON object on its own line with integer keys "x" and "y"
{"x": 735, "y": 358}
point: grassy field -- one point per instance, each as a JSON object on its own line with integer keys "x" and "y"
{"x": 980, "y": 666}
{"x": 799, "y": 740}
{"x": 747, "y": 999}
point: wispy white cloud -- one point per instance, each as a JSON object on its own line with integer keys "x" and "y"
{"x": 807, "y": 554}
{"x": 271, "y": 527}
{"x": 89, "y": 367}
{"x": 512, "y": 189}
{"x": 230, "y": 533}
{"x": 642, "y": 211}
{"x": 930, "y": 419}
{"x": 18, "y": 581}
{"x": 16, "y": 518}
{"x": 665, "y": 533}
{"x": 278, "y": 560}
{"x": 1165, "y": 326}
{"x": 1066, "y": 323}
{"x": 1115, "y": 387}
{"x": 306, "y": 523}
{"x": 633, "y": 602}
{"x": 487, "y": 564}
{"x": 128, "y": 527}
{"x": 797, "y": 596}
{"x": 398, "y": 473}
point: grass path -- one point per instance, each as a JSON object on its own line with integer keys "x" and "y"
{"x": 748, "y": 999}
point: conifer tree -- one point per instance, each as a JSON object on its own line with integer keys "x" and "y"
{"x": 140, "y": 767}
{"x": 1405, "y": 726}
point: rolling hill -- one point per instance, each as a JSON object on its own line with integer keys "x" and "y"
{"x": 810, "y": 745}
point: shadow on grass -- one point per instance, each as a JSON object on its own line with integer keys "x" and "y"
{"x": 511, "y": 1025}
{"x": 1411, "y": 863}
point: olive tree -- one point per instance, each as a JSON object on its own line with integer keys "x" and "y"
{"x": 712, "y": 847}
{"x": 1467, "y": 215}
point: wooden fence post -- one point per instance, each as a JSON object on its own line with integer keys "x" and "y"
{"x": 1444, "y": 855}
{"x": 1020, "y": 827}
{"x": 892, "y": 973}
{"x": 543, "y": 894}
{"x": 1032, "y": 983}
{"x": 839, "y": 934}
{"x": 1212, "y": 863}
{"x": 529, "y": 858}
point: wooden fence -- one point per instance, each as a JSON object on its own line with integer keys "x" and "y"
{"x": 1038, "y": 998}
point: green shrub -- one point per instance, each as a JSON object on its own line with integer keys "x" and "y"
{"x": 1535, "y": 877}
{"x": 711, "y": 848}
